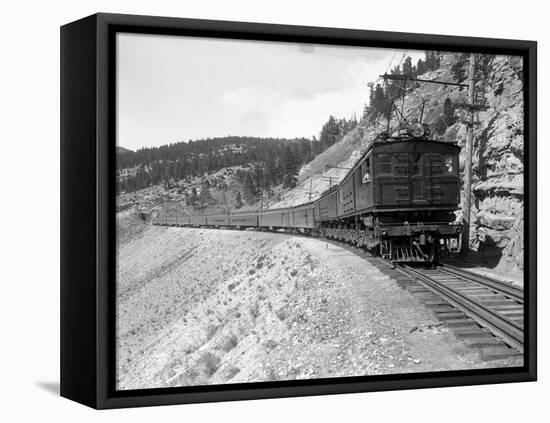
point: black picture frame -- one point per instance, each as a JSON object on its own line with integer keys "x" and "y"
{"x": 88, "y": 209}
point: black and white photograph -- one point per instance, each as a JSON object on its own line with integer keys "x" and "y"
{"x": 301, "y": 211}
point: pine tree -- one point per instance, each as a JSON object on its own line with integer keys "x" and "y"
{"x": 420, "y": 67}
{"x": 193, "y": 198}
{"x": 269, "y": 173}
{"x": 330, "y": 133}
{"x": 407, "y": 67}
{"x": 458, "y": 68}
{"x": 249, "y": 188}
{"x": 238, "y": 201}
{"x": 291, "y": 163}
{"x": 449, "y": 112}
{"x": 290, "y": 166}
{"x": 205, "y": 198}
{"x": 290, "y": 181}
{"x": 381, "y": 103}
{"x": 440, "y": 126}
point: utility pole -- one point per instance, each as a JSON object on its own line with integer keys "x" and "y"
{"x": 466, "y": 211}
{"x": 310, "y": 185}
{"x": 330, "y": 178}
{"x": 334, "y": 167}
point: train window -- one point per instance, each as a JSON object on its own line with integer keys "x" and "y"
{"x": 417, "y": 165}
{"x": 365, "y": 171}
{"x": 448, "y": 163}
{"x": 434, "y": 164}
{"x": 383, "y": 163}
{"x": 400, "y": 164}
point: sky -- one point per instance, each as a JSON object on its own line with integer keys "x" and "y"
{"x": 173, "y": 88}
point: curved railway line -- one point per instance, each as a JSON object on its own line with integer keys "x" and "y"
{"x": 487, "y": 313}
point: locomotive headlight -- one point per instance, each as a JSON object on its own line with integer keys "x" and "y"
{"x": 416, "y": 130}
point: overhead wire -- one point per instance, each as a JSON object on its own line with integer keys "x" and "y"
{"x": 388, "y": 67}
{"x": 403, "y": 56}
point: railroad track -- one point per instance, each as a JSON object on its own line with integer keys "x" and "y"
{"x": 486, "y": 313}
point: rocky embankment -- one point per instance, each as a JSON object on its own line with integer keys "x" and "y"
{"x": 203, "y": 306}
{"x": 498, "y": 165}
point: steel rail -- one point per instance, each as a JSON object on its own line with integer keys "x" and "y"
{"x": 505, "y": 288}
{"x": 504, "y": 328}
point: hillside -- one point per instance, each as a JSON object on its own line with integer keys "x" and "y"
{"x": 122, "y": 150}
{"x": 278, "y": 160}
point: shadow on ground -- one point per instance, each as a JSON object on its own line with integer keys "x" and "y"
{"x": 488, "y": 255}
{"x": 51, "y": 387}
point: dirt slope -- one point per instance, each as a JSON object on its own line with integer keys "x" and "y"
{"x": 199, "y": 306}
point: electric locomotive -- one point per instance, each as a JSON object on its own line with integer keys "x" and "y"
{"x": 399, "y": 199}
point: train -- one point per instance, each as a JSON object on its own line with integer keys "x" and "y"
{"x": 398, "y": 200}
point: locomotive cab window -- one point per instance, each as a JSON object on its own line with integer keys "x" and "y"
{"x": 448, "y": 164}
{"x": 417, "y": 165}
{"x": 383, "y": 163}
{"x": 400, "y": 165}
{"x": 434, "y": 164}
{"x": 365, "y": 172}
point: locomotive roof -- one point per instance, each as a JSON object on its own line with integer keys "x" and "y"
{"x": 407, "y": 139}
{"x": 397, "y": 140}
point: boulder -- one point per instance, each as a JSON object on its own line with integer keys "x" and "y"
{"x": 495, "y": 221}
